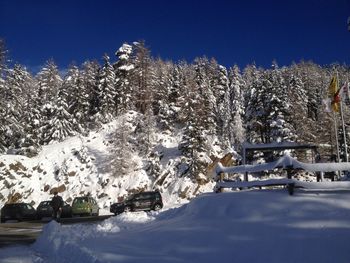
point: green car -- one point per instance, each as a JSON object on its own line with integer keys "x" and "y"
{"x": 85, "y": 206}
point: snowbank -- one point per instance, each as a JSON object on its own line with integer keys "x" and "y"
{"x": 248, "y": 226}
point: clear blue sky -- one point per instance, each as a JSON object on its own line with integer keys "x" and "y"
{"x": 234, "y": 32}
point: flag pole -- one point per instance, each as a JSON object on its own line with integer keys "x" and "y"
{"x": 344, "y": 132}
{"x": 336, "y": 136}
{"x": 343, "y": 125}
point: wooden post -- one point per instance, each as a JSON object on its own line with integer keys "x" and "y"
{"x": 289, "y": 170}
{"x": 291, "y": 187}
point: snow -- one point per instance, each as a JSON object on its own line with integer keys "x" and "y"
{"x": 82, "y": 165}
{"x": 246, "y": 226}
{"x": 308, "y": 186}
{"x": 127, "y": 67}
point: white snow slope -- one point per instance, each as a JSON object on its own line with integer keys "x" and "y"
{"x": 83, "y": 165}
{"x": 246, "y": 226}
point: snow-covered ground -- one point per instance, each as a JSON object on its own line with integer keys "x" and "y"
{"x": 246, "y": 226}
{"x": 83, "y": 165}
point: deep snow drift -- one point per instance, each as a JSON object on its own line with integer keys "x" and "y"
{"x": 246, "y": 226}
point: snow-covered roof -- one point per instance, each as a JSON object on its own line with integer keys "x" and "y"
{"x": 284, "y": 162}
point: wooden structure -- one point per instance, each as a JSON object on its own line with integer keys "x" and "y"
{"x": 247, "y": 148}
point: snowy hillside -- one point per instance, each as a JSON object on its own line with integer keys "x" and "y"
{"x": 86, "y": 165}
{"x": 247, "y": 226}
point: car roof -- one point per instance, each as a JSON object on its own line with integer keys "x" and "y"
{"x": 83, "y": 198}
{"x": 17, "y": 204}
{"x": 45, "y": 202}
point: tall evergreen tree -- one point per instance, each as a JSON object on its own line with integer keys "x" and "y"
{"x": 60, "y": 126}
{"x": 3, "y": 70}
{"x": 142, "y": 77}
{"x": 278, "y": 114}
{"x": 107, "y": 88}
{"x": 77, "y": 98}
{"x": 89, "y": 82}
{"x": 193, "y": 142}
{"x": 49, "y": 83}
{"x": 122, "y": 148}
{"x": 15, "y": 87}
{"x": 123, "y": 71}
{"x": 236, "y": 124}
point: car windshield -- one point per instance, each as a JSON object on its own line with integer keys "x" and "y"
{"x": 45, "y": 203}
{"x": 129, "y": 197}
{"x": 27, "y": 206}
{"x": 80, "y": 200}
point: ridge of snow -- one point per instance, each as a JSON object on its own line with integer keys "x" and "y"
{"x": 247, "y": 226}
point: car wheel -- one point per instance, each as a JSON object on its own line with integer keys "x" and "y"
{"x": 157, "y": 207}
{"x": 127, "y": 209}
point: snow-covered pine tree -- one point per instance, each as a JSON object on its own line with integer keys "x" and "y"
{"x": 3, "y": 70}
{"x": 319, "y": 123}
{"x": 3, "y": 58}
{"x": 60, "y": 126}
{"x": 177, "y": 96}
{"x": 195, "y": 130}
{"x": 15, "y": 86}
{"x": 107, "y": 87}
{"x": 31, "y": 143}
{"x": 254, "y": 108}
{"x": 77, "y": 98}
{"x": 163, "y": 84}
{"x": 206, "y": 83}
{"x": 221, "y": 91}
{"x": 278, "y": 113}
{"x": 236, "y": 126}
{"x": 142, "y": 77}
{"x": 123, "y": 70}
{"x": 49, "y": 83}
{"x": 123, "y": 151}
{"x": 89, "y": 79}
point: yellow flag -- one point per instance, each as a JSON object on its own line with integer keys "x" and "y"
{"x": 334, "y": 94}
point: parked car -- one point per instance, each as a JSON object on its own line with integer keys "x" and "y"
{"x": 85, "y": 205}
{"x": 139, "y": 202}
{"x": 18, "y": 211}
{"x": 44, "y": 209}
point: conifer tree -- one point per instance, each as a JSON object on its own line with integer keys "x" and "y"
{"x": 122, "y": 148}
{"x": 15, "y": 86}
{"x": 49, "y": 83}
{"x": 77, "y": 98}
{"x": 236, "y": 109}
{"x": 278, "y": 113}
{"x": 60, "y": 126}
{"x": 89, "y": 79}
{"x": 107, "y": 88}
{"x": 193, "y": 142}
{"x": 142, "y": 77}
{"x": 3, "y": 70}
{"x": 123, "y": 71}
